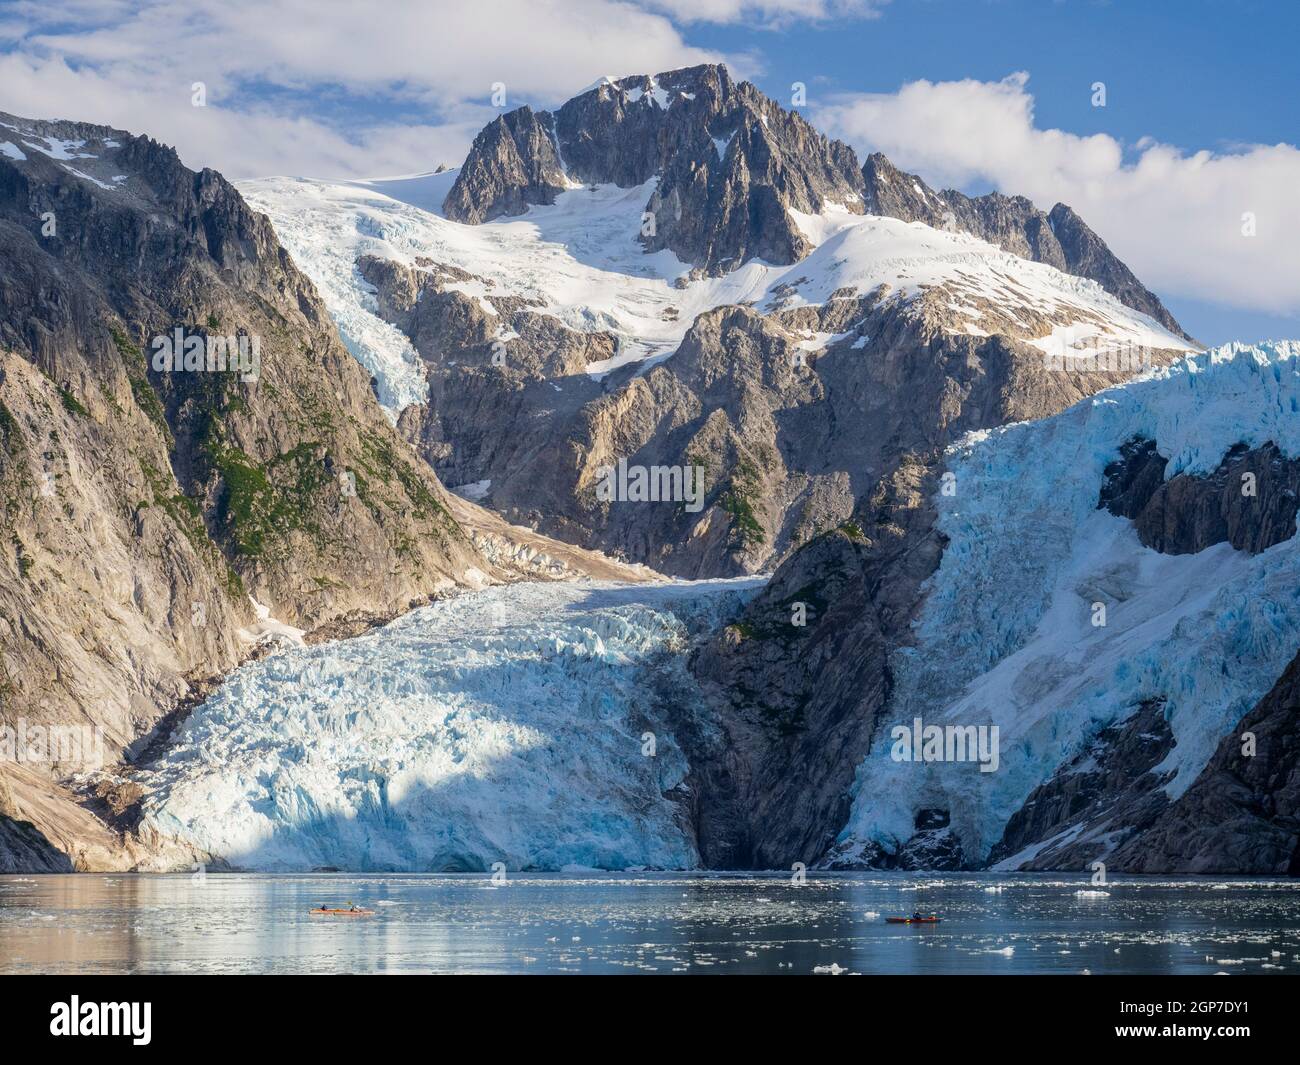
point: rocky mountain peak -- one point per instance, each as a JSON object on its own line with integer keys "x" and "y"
{"x": 729, "y": 164}
{"x": 731, "y": 168}
{"x": 1059, "y": 238}
{"x": 515, "y": 165}
{"x": 1087, "y": 255}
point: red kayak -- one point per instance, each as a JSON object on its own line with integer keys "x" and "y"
{"x": 913, "y": 920}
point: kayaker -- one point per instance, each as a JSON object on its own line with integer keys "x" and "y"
{"x": 916, "y": 917}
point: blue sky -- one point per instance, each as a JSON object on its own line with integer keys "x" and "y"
{"x": 1200, "y": 74}
{"x": 1197, "y": 132}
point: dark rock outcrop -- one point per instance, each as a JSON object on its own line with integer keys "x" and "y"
{"x": 1250, "y": 501}
{"x": 1105, "y": 795}
{"x": 512, "y": 164}
{"x": 24, "y": 849}
{"x": 932, "y": 846}
{"x": 1242, "y": 814}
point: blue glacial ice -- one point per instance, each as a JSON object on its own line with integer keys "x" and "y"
{"x": 1006, "y": 637}
{"x": 504, "y": 725}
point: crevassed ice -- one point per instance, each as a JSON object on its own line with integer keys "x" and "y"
{"x": 1005, "y": 634}
{"x": 501, "y": 726}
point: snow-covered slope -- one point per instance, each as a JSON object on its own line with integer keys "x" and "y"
{"x": 581, "y": 261}
{"x": 501, "y": 726}
{"x": 1006, "y": 634}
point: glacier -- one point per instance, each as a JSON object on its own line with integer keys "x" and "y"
{"x": 580, "y": 260}
{"x": 1005, "y": 635}
{"x": 504, "y": 725}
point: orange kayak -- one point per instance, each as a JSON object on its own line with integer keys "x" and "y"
{"x": 913, "y": 920}
{"x": 342, "y": 913}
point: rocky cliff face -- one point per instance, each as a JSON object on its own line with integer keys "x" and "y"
{"x": 515, "y": 165}
{"x": 801, "y": 692}
{"x": 788, "y": 432}
{"x": 738, "y": 401}
{"x": 1059, "y": 238}
{"x": 24, "y": 848}
{"x": 1250, "y": 501}
{"x": 141, "y": 507}
{"x": 729, "y": 164}
{"x": 1242, "y": 815}
{"x": 1111, "y": 790}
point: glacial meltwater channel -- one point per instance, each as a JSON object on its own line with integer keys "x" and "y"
{"x": 646, "y": 922}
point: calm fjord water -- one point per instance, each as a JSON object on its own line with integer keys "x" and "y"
{"x": 646, "y": 922}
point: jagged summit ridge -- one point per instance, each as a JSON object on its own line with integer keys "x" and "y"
{"x": 1059, "y": 238}
{"x": 731, "y": 169}
{"x": 730, "y": 164}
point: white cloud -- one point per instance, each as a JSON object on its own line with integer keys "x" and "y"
{"x": 285, "y": 77}
{"x": 343, "y": 89}
{"x": 770, "y": 12}
{"x": 239, "y": 142}
{"x": 431, "y": 51}
{"x": 1175, "y": 218}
